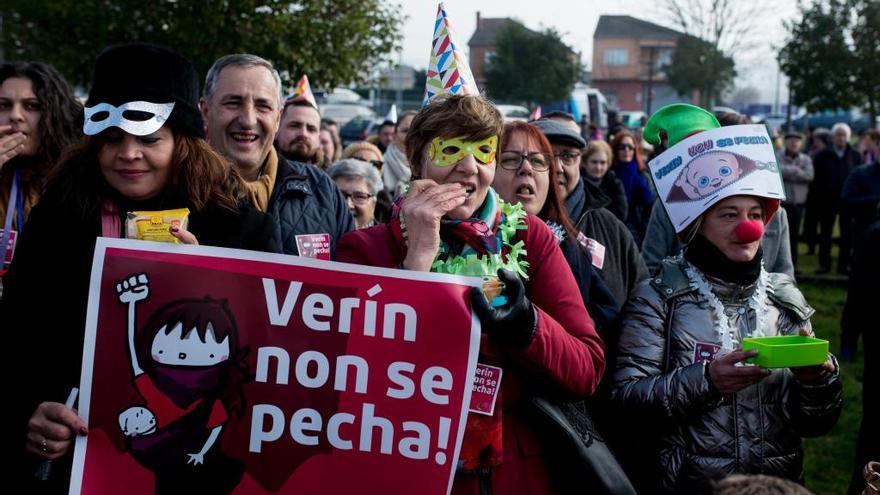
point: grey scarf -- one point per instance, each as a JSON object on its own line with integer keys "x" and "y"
{"x": 396, "y": 172}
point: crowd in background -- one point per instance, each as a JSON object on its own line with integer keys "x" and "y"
{"x": 257, "y": 168}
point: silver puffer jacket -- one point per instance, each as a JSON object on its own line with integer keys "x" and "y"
{"x": 701, "y": 435}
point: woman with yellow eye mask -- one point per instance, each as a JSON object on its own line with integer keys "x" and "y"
{"x": 452, "y": 221}
{"x": 449, "y": 151}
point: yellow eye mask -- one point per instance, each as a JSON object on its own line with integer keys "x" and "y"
{"x": 449, "y": 151}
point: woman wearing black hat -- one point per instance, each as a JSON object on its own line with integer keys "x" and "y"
{"x": 144, "y": 150}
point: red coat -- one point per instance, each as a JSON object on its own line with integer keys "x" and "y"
{"x": 566, "y": 354}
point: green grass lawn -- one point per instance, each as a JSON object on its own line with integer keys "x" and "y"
{"x": 829, "y": 459}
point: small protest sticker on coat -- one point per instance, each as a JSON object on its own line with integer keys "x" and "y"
{"x": 10, "y": 247}
{"x": 597, "y": 250}
{"x": 314, "y": 246}
{"x": 704, "y": 351}
{"x": 487, "y": 382}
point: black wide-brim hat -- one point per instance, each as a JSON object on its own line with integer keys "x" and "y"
{"x": 142, "y": 72}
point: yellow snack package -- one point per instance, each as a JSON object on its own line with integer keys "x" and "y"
{"x": 154, "y": 225}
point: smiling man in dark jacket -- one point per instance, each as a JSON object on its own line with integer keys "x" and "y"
{"x": 242, "y": 111}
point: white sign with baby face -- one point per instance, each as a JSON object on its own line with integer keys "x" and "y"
{"x": 707, "y": 167}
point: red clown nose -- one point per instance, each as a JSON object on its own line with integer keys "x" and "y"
{"x": 749, "y": 230}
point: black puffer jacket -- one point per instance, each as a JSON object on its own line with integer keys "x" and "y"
{"x": 623, "y": 267}
{"x": 305, "y": 200}
{"x": 700, "y": 436}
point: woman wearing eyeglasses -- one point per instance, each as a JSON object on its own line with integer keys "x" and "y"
{"x": 452, "y": 221}
{"x": 369, "y": 153}
{"x": 630, "y": 169}
{"x": 358, "y": 181}
{"x": 523, "y": 176}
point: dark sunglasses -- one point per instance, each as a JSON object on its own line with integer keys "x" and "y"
{"x": 625, "y": 147}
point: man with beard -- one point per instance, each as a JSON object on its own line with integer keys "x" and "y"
{"x": 241, "y": 107}
{"x": 614, "y": 251}
{"x": 299, "y": 136}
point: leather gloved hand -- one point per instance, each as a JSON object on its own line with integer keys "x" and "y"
{"x": 513, "y": 323}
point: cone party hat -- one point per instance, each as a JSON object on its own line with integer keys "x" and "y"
{"x": 448, "y": 69}
{"x": 303, "y": 92}
{"x": 391, "y": 116}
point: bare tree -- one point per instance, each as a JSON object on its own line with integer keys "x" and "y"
{"x": 724, "y": 29}
{"x": 727, "y": 25}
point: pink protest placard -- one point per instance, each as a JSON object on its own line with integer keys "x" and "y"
{"x": 10, "y": 247}
{"x": 313, "y": 246}
{"x": 214, "y": 370}
{"x": 487, "y": 383}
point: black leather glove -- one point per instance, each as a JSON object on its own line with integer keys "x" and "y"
{"x": 514, "y": 323}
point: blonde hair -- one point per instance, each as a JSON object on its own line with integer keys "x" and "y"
{"x": 599, "y": 146}
{"x": 353, "y": 148}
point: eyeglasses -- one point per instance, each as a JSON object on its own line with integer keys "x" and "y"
{"x": 357, "y": 197}
{"x": 627, "y": 147}
{"x": 567, "y": 157}
{"x": 513, "y": 160}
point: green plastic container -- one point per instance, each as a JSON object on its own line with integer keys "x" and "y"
{"x": 787, "y": 351}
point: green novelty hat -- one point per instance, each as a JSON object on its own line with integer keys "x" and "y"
{"x": 679, "y": 120}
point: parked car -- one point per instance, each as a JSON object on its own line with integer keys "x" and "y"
{"x": 583, "y": 100}
{"x": 632, "y": 119}
{"x": 359, "y": 129}
{"x": 342, "y": 113}
{"x": 514, "y": 112}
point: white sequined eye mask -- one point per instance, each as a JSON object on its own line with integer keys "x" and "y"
{"x": 115, "y": 116}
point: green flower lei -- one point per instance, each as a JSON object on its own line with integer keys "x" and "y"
{"x": 474, "y": 265}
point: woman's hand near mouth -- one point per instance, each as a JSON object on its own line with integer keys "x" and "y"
{"x": 11, "y": 143}
{"x": 426, "y": 203}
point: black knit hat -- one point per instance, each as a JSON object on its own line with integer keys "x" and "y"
{"x": 144, "y": 72}
{"x": 559, "y": 133}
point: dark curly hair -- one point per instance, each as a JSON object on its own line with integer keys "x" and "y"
{"x": 61, "y": 116}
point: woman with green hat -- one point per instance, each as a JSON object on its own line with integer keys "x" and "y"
{"x": 680, "y": 360}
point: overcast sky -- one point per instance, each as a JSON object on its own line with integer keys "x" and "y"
{"x": 576, "y": 20}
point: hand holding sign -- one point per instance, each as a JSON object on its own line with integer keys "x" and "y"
{"x": 51, "y": 430}
{"x": 513, "y": 323}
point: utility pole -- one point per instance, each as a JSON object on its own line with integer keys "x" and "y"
{"x": 776, "y": 98}
{"x": 652, "y": 50}
{"x": 788, "y": 111}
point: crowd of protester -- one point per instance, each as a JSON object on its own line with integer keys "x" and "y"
{"x": 604, "y": 299}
